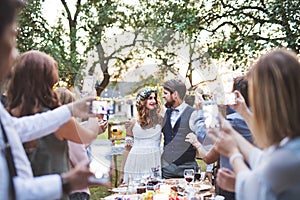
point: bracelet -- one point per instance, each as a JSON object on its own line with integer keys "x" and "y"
{"x": 234, "y": 156}
{"x": 66, "y": 188}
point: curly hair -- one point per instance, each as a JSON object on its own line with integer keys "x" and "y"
{"x": 31, "y": 84}
{"x": 148, "y": 118}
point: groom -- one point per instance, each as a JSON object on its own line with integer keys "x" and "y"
{"x": 179, "y": 120}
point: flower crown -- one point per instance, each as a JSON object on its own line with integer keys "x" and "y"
{"x": 145, "y": 94}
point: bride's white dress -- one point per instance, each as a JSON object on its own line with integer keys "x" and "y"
{"x": 144, "y": 154}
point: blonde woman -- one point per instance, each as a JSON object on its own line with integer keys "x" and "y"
{"x": 142, "y": 150}
{"x": 273, "y": 171}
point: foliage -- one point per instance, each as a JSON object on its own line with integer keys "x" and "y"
{"x": 33, "y": 28}
{"x": 36, "y": 33}
{"x": 242, "y": 29}
{"x": 228, "y": 30}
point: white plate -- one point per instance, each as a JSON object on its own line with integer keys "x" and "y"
{"x": 120, "y": 190}
{"x": 117, "y": 196}
{"x": 203, "y": 187}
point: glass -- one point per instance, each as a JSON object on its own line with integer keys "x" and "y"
{"x": 189, "y": 175}
{"x": 197, "y": 175}
{"x": 155, "y": 172}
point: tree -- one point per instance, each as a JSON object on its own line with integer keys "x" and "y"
{"x": 233, "y": 30}
{"x": 237, "y": 30}
{"x": 36, "y": 33}
{"x": 173, "y": 32}
{"x": 92, "y": 18}
{"x": 242, "y": 29}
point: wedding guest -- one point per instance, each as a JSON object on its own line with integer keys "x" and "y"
{"x": 142, "y": 150}
{"x": 240, "y": 85}
{"x": 17, "y": 181}
{"x": 274, "y": 85}
{"x": 77, "y": 152}
{"x": 48, "y": 154}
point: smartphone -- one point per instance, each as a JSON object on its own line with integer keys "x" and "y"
{"x": 88, "y": 85}
{"x": 230, "y": 99}
{"x": 99, "y": 107}
{"x": 211, "y": 115}
{"x": 100, "y": 161}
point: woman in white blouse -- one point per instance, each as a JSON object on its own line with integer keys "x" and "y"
{"x": 272, "y": 171}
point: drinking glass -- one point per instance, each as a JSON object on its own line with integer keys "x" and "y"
{"x": 189, "y": 175}
{"x": 197, "y": 175}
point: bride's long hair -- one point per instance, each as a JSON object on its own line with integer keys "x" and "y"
{"x": 148, "y": 118}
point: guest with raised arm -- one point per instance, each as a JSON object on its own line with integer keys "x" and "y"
{"x": 78, "y": 152}
{"x": 48, "y": 154}
{"x": 274, "y": 82}
{"x": 240, "y": 86}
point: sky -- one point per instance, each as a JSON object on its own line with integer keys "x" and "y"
{"x": 50, "y": 10}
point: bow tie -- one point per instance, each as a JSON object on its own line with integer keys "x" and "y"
{"x": 174, "y": 109}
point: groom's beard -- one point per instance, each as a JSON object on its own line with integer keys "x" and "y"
{"x": 169, "y": 104}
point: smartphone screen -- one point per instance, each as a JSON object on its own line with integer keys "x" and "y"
{"x": 100, "y": 161}
{"x": 88, "y": 85}
{"x": 211, "y": 114}
{"x": 99, "y": 107}
{"x": 230, "y": 99}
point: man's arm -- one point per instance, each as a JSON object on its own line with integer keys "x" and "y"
{"x": 197, "y": 124}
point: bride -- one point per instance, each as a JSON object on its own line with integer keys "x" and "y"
{"x": 142, "y": 142}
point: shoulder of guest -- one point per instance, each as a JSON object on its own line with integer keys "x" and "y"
{"x": 283, "y": 174}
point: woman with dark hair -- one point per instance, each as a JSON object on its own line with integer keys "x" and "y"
{"x": 48, "y": 154}
{"x": 271, "y": 172}
{"x": 142, "y": 150}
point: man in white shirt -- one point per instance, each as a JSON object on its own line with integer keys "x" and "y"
{"x": 18, "y": 130}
